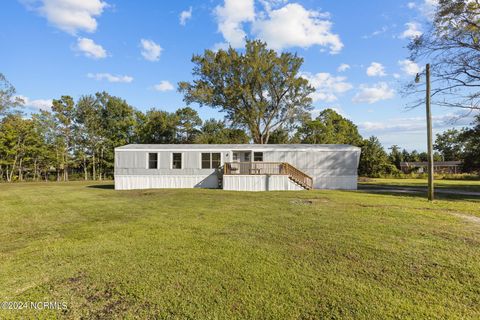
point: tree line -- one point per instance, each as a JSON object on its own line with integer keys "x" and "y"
{"x": 78, "y": 138}
{"x": 264, "y": 99}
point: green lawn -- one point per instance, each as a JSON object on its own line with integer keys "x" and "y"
{"x": 467, "y": 185}
{"x": 195, "y": 254}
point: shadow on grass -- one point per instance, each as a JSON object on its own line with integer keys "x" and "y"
{"x": 102, "y": 186}
{"x": 415, "y": 193}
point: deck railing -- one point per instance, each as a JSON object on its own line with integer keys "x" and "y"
{"x": 268, "y": 168}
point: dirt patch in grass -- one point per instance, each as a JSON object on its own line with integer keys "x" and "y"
{"x": 467, "y": 217}
{"x": 94, "y": 301}
{"x": 308, "y": 202}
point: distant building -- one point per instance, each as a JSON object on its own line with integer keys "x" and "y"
{"x": 438, "y": 167}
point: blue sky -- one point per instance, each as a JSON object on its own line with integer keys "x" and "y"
{"x": 354, "y": 52}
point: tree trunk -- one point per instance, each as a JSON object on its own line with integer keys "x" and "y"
{"x": 35, "y": 170}
{"x": 94, "y": 172}
{"x": 100, "y": 168}
{"x": 20, "y": 171}
{"x": 65, "y": 166}
{"x": 13, "y": 169}
{"x": 57, "y": 167}
{"x": 85, "y": 172}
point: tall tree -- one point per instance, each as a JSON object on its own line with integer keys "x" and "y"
{"x": 158, "y": 127}
{"x": 396, "y": 156}
{"x": 280, "y": 136}
{"x": 216, "y": 132}
{"x": 329, "y": 128}
{"x": 46, "y": 153}
{"x": 259, "y": 90}
{"x": 118, "y": 121}
{"x": 63, "y": 110}
{"x": 17, "y": 139}
{"x": 188, "y": 124}
{"x": 90, "y": 133}
{"x": 8, "y": 100}
{"x": 449, "y": 144}
{"x": 471, "y": 140}
{"x": 452, "y": 46}
{"x": 374, "y": 161}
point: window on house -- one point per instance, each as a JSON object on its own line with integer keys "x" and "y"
{"x": 206, "y": 157}
{"x": 176, "y": 161}
{"x": 235, "y": 156}
{"x": 258, "y": 156}
{"x": 153, "y": 161}
{"x": 210, "y": 160}
{"x": 247, "y": 157}
{"x": 215, "y": 160}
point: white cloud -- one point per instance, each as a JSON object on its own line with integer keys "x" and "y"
{"x": 90, "y": 49}
{"x": 164, "y": 86}
{"x": 37, "y": 104}
{"x": 150, "y": 50}
{"x": 376, "y": 70}
{"x": 426, "y": 8}
{"x": 343, "y": 67}
{"x": 413, "y": 30}
{"x": 295, "y": 26}
{"x": 371, "y": 94}
{"x": 230, "y": 18}
{"x": 415, "y": 124}
{"x": 70, "y": 16}
{"x": 110, "y": 78}
{"x": 375, "y": 33}
{"x": 327, "y": 87}
{"x": 409, "y": 67}
{"x": 220, "y": 46}
{"x": 285, "y": 26}
{"x": 185, "y": 15}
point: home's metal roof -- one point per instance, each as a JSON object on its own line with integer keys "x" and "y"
{"x": 246, "y": 147}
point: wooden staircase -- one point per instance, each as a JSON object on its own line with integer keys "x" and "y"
{"x": 299, "y": 177}
{"x": 269, "y": 168}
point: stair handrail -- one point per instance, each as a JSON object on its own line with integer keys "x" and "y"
{"x": 298, "y": 175}
{"x": 260, "y": 167}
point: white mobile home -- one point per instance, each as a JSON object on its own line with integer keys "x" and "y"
{"x": 243, "y": 167}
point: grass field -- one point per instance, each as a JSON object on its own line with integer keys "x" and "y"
{"x": 467, "y": 185}
{"x": 195, "y": 254}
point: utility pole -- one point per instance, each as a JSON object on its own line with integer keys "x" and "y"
{"x": 429, "y": 133}
{"x": 429, "y": 136}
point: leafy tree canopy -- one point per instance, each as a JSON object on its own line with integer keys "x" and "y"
{"x": 329, "y": 127}
{"x": 216, "y": 132}
{"x": 8, "y": 100}
{"x": 449, "y": 144}
{"x": 259, "y": 89}
{"x": 374, "y": 161}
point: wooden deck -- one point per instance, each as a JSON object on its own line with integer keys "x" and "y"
{"x": 269, "y": 168}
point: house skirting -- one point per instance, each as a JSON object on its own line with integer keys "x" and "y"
{"x": 336, "y": 182}
{"x": 230, "y": 182}
{"x": 131, "y": 182}
{"x": 259, "y": 183}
